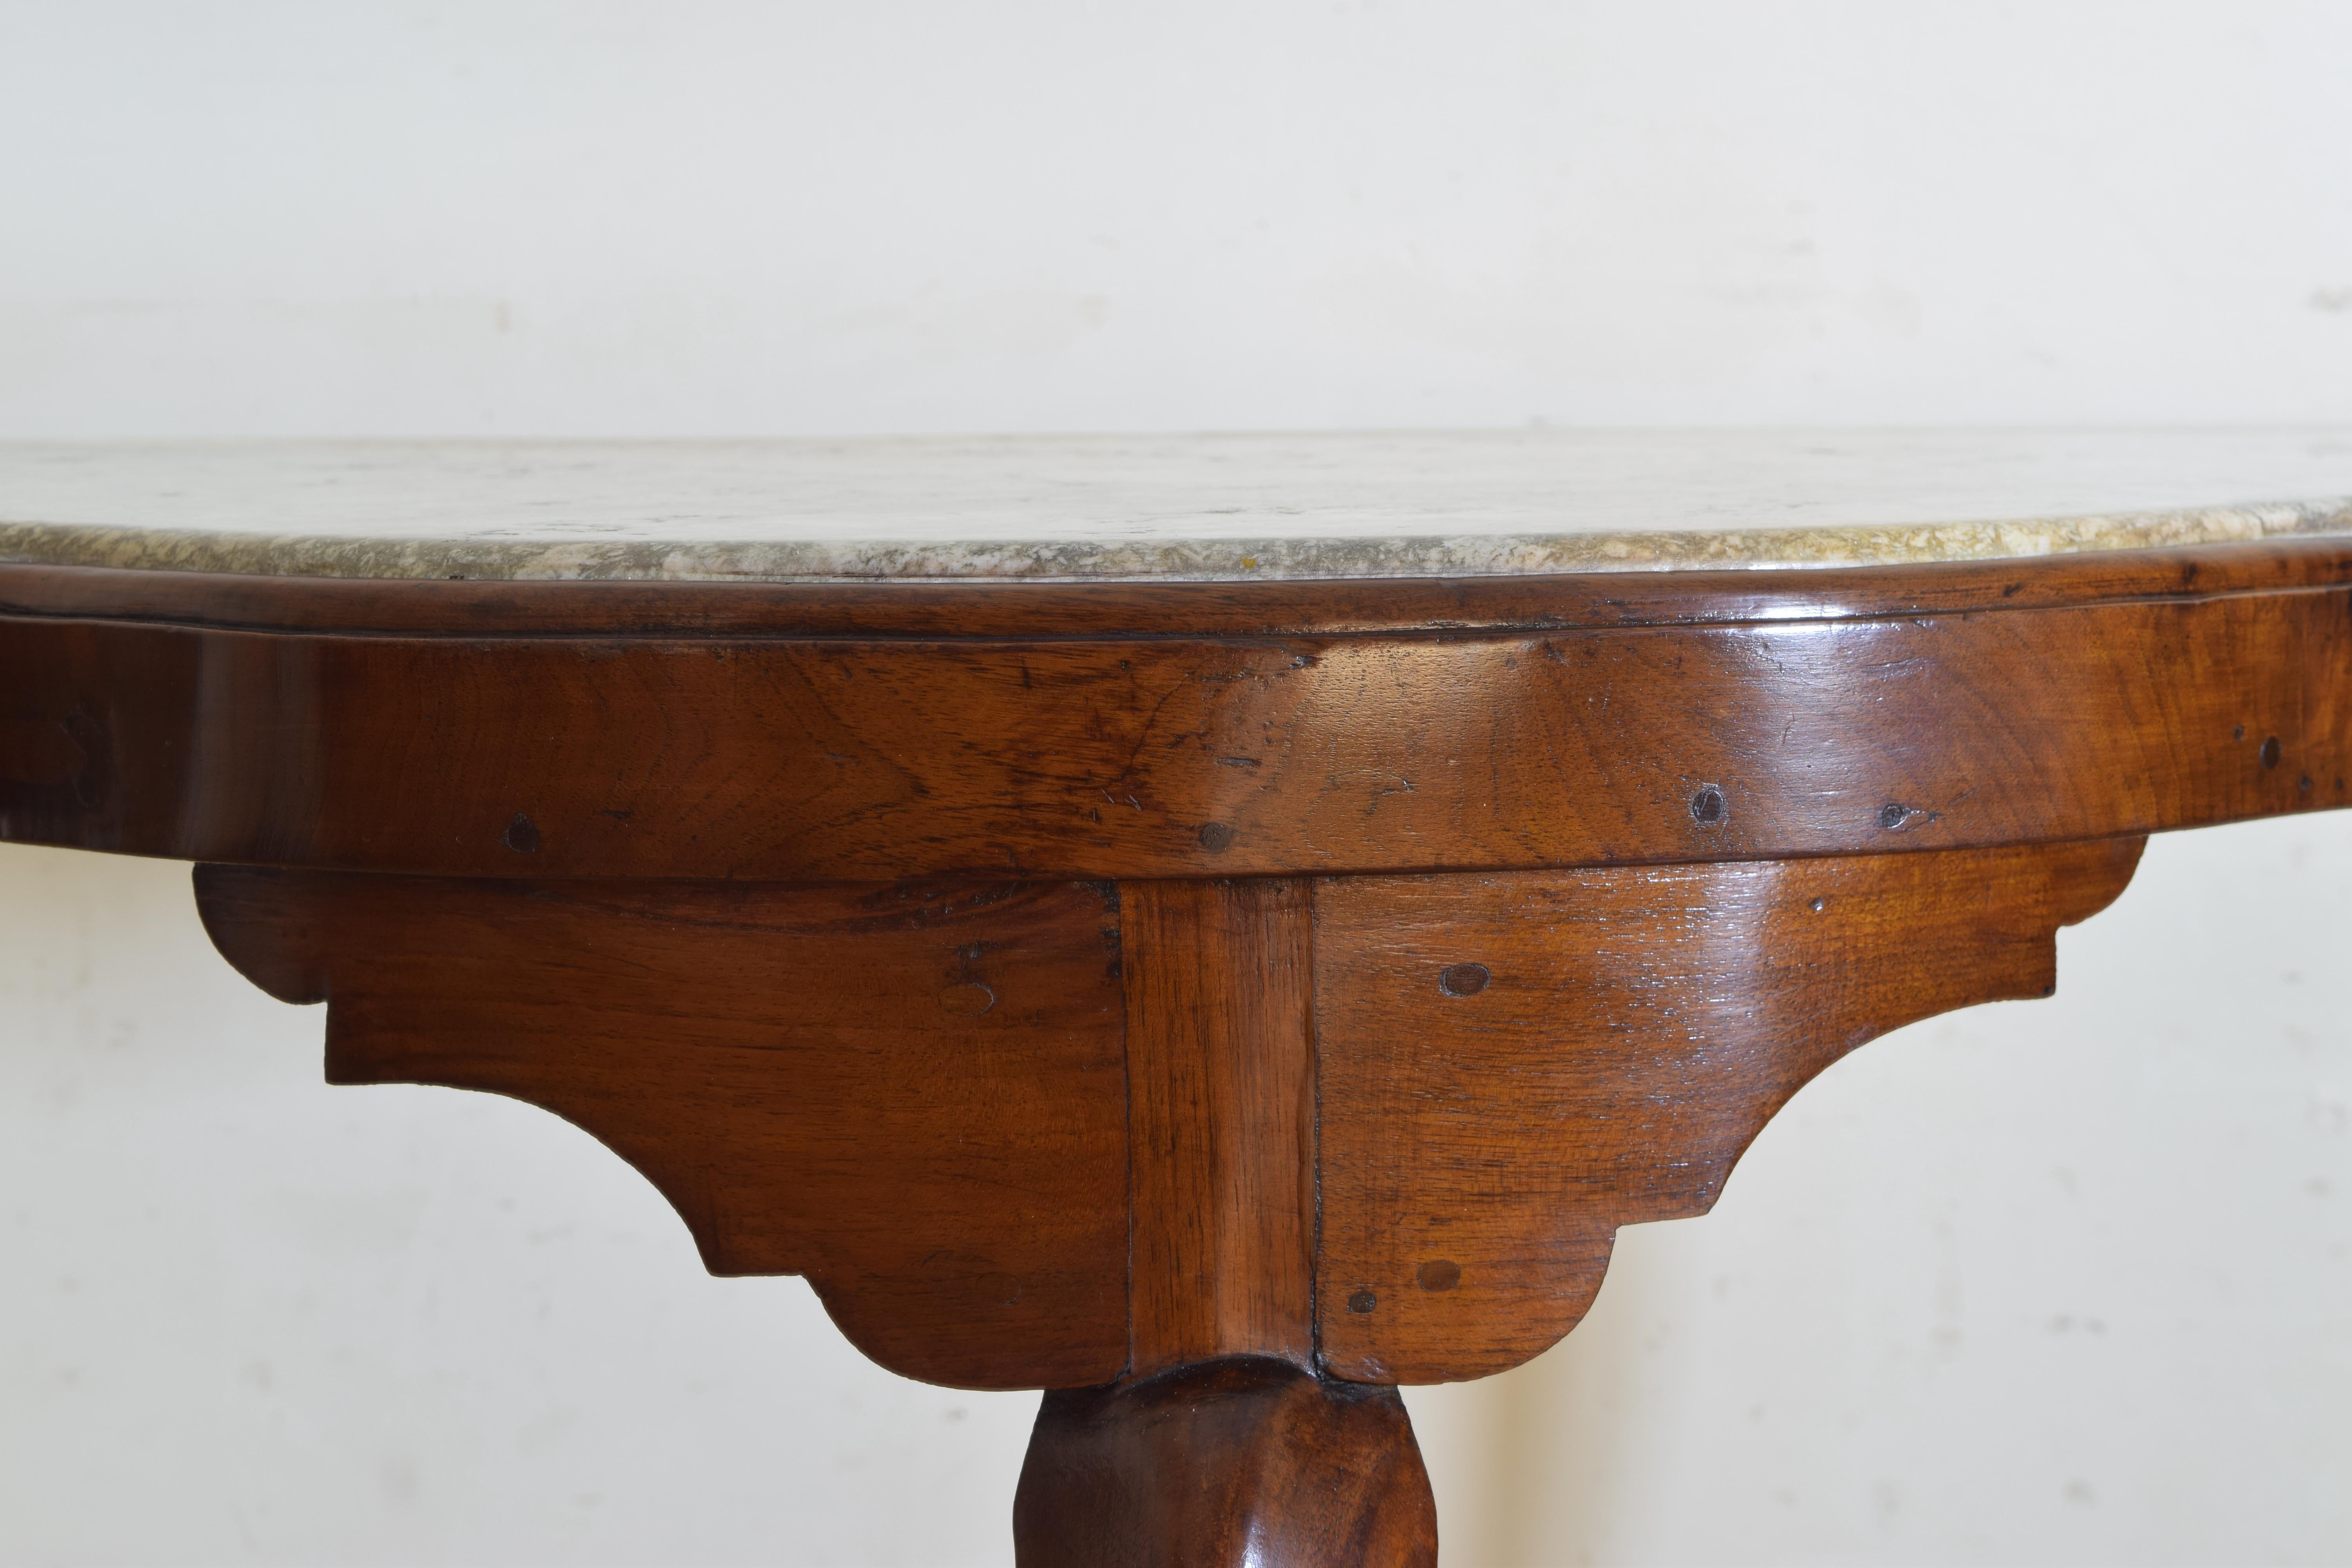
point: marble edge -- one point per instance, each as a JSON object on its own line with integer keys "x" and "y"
{"x": 1272, "y": 558}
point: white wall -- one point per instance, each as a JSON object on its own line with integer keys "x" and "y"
{"x": 2064, "y": 1282}
{"x": 633, "y": 219}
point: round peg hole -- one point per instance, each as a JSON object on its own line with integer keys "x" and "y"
{"x": 1462, "y": 979}
{"x": 971, "y": 1001}
{"x": 1707, "y": 807}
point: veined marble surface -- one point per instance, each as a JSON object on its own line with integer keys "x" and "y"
{"x": 1203, "y": 507}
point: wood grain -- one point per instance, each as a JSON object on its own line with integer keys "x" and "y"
{"x": 914, "y": 1096}
{"x": 1236, "y": 1464}
{"x": 1508, "y": 909}
{"x": 780, "y": 760}
{"x": 1317, "y": 607}
{"x": 1220, "y": 1073}
{"x": 1513, "y": 1067}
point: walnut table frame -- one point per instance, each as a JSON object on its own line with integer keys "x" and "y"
{"x": 1213, "y": 1002}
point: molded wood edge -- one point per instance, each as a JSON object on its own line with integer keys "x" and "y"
{"x": 1185, "y": 757}
{"x": 1403, "y": 605}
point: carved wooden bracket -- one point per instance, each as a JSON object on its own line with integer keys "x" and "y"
{"x": 1381, "y": 1127}
{"x": 1512, "y": 1067}
{"x": 915, "y": 1096}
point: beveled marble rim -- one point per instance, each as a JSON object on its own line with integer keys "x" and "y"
{"x": 1180, "y": 560}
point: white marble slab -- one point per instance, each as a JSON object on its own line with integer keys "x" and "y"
{"x": 1168, "y": 507}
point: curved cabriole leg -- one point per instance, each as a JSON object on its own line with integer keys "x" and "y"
{"x": 1244, "y": 1461}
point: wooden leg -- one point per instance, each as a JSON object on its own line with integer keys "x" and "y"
{"x": 1243, "y": 1461}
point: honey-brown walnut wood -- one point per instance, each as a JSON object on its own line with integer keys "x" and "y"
{"x": 1514, "y": 1066}
{"x": 914, "y": 1096}
{"x": 878, "y": 759}
{"x": 1176, "y": 989}
{"x": 425, "y": 607}
{"x": 1234, "y": 1464}
{"x": 1221, "y": 1119}
{"x": 1384, "y": 1128}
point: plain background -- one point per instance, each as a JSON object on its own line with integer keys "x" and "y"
{"x": 2066, "y": 1282}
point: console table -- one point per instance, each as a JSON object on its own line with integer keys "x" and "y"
{"x": 1214, "y": 928}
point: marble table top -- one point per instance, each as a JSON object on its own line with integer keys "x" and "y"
{"x": 1201, "y": 508}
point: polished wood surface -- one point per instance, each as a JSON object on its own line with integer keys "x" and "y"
{"x": 915, "y": 1096}
{"x": 1027, "y": 611}
{"x": 1158, "y": 757}
{"x": 1380, "y": 1127}
{"x": 1220, "y": 1117}
{"x": 1514, "y": 1066}
{"x": 1216, "y": 1003}
{"x": 1232, "y": 1464}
